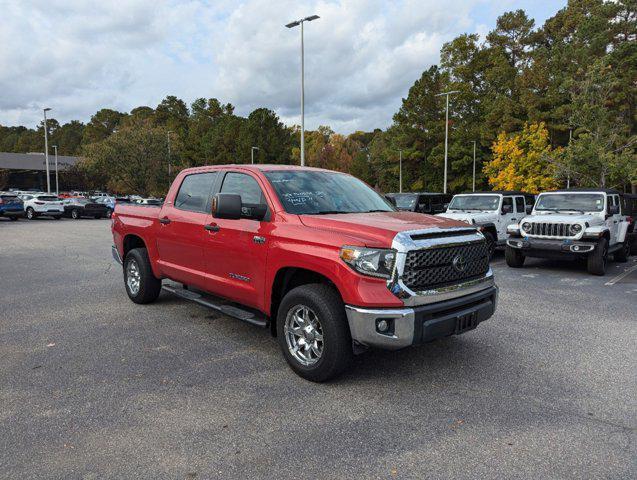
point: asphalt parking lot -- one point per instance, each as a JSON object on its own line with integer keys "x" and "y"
{"x": 94, "y": 386}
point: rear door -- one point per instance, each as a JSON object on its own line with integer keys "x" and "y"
{"x": 506, "y": 219}
{"x": 181, "y": 234}
{"x": 236, "y": 250}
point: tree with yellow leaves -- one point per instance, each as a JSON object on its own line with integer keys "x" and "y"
{"x": 521, "y": 161}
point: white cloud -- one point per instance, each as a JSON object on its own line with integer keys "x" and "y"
{"x": 361, "y": 55}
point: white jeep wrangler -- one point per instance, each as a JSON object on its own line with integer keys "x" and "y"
{"x": 572, "y": 223}
{"x": 491, "y": 212}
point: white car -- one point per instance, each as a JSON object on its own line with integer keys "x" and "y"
{"x": 42, "y": 205}
{"x": 586, "y": 224}
{"x": 490, "y": 212}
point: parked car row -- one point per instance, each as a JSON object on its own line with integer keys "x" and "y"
{"x": 75, "y": 204}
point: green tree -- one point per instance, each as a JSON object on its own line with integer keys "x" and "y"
{"x": 102, "y": 125}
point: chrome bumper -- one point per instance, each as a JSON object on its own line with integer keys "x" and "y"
{"x": 412, "y": 326}
{"x": 116, "y": 256}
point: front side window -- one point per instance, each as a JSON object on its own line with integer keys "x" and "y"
{"x": 244, "y": 185}
{"x": 307, "y": 192}
{"x": 194, "y": 192}
{"x": 577, "y": 202}
{"x": 475, "y": 202}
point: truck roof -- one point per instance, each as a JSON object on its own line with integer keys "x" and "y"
{"x": 497, "y": 192}
{"x": 611, "y": 191}
{"x": 418, "y": 193}
{"x": 259, "y": 167}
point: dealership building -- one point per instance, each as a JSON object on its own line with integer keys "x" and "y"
{"x": 27, "y": 171}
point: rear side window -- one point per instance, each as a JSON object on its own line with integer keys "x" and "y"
{"x": 194, "y": 192}
{"x": 244, "y": 185}
{"x": 47, "y": 198}
{"x": 519, "y": 204}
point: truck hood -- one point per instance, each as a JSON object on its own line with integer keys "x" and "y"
{"x": 592, "y": 220}
{"x": 377, "y": 229}
{"x": 479, "y": 218}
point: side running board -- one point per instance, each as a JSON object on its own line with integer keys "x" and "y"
{"x": 242, "y": 313}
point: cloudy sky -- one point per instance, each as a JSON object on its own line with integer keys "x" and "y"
{"x": 361, "y": 55}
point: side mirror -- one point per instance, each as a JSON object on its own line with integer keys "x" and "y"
{"x": 226, "y": 205}
{"x": 613, "y": 210}
{"x": 507, "y": 209}
{"x": 529, "y": 209}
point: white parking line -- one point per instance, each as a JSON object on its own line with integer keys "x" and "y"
{"x": 626, "y": 272}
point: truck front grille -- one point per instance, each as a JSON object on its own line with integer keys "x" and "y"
{"x": 439, "y": 267}
{"x": 551, "y": 229}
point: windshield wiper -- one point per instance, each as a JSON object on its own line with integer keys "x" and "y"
{"x": 328, "y": 212}
{"x": 378, "y": 210}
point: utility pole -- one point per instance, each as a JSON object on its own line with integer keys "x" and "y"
{"x": 292, "y": 25}
{"x": 400, "y": 171}
{"x": 474, "y": 165}
{"x": 57, "y": 184}
{"x": 252, "y": 153}
{"x": 446, "y": 135}
{"x": 46, "y": 151}
{"x": 568, "y": 173}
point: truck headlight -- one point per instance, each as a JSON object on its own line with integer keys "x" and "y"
{"x": 576, "y": 228}
{"x": 526, "y": 227}
{"x": 375, "y": 262}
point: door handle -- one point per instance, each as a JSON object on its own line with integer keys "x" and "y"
{"x": 514, "y": 219}
{"x": 258, "y": 239}
{"x": 213, "y": 227}
{"x": 165, "y": 221}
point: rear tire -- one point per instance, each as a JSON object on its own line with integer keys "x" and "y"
{"x": 97, "y": 217}
{"x": 75, "y": 214}
{"x": 31, "y": 213}
{"x": 597, "y": 259}
{"x": 141, "y": 284}
{"x": 327, "y": 319}
{"x": 57, "y": 217}
{"x": 514, "y": 257}
{"x": 623, "y": 253}
{"x": 14, "y": 218}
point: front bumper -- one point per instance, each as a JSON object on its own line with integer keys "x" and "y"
{"x": 531, "y": 246}
{"x": 422, "y": 324}
{"x": 116, "y": 255}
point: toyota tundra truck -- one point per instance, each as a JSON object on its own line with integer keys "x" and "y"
{"x": 588, "y": 224}
{"x": 315, "y": 256}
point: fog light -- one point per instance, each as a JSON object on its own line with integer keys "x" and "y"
{"x": 382, "y": 326}
{"x": 575, "y": 248}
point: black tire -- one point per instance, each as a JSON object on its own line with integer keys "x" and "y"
{"x": 57, "y": 217}
{"x": 514, "y": 257}
{"x": 149, "y": 286}
{"x": 490, "y": 243}
{"x": 337, "y": 353}
{"x": 75, "y": 214}
{"x": 14, "y": 218}
{"x": 97, "y": 217}
{"x": 623, "y": 253}
{"x": 109, "y": 213}
{"x": 31, "y": 213}
{"x": 597, "y": 259}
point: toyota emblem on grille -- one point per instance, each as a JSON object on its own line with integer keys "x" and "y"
{"x": 459, "y": 263}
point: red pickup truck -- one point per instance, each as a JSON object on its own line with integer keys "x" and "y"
{"x": 318, "y": 257}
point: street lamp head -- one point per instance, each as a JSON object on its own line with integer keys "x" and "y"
{"x": 296, "y": 23}
{"x": 447, "y": 93}
{"x": 46, "y": 109}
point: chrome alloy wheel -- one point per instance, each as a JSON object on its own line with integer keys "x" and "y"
{"x": 304, "y": 335}
{"x": 133, "y": 277}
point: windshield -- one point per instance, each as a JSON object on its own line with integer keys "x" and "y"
{"x": 474, "y": 202}
{"x": 405, "y": 201}
{"x": 313, "y": 193}
{"x": 579, "y": 202}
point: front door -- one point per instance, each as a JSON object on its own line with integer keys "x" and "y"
{"x": 236, "y": 250}
{"x": 181, "y": 235}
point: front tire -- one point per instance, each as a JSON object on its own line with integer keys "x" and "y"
{"x": 57, "y": 217}
{"x": 75, "y": 214}
{"x": 490, "y": 243}
{"x": 597, "y": 259}
{"x": 623, "y": 253}
{"x": 31, "y": 213}
{"x": 514, "y": 257}
{"x": 313, "y": 333}
{"x": 141, "y": 284}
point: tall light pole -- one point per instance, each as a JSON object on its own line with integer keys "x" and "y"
{"x": 292, "y": 25}
{"x": 57, "y": 184}
{"x": 46, "y": 151}
{"x": 474, "y": 165}
{"x": 400, "y": 171}
{"x": 169, "y": 167}
{"x": 252, "y": 153}
{"x": 446, "y": 135}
